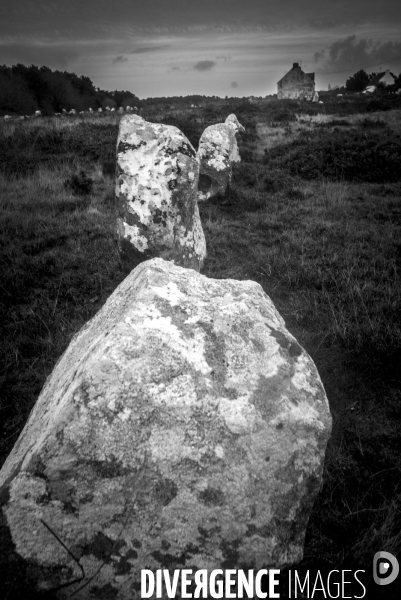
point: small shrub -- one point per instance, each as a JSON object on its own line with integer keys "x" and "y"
{"x": 377, "y": 104}
{"x": 367, "y": 123}
{"x": 295, "y": 194}
{"x": 284, "y": 116}
{"x": 270, "y": 184}
{"x": 80, "y": 184}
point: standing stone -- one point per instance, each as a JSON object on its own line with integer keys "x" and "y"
{"x": 156, "y": 194}
{"x": 183, "y": 428}
{"x": 217, "y": 151}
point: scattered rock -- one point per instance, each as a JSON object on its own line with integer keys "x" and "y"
{"x": 217, "y": 151}
{"x": 156, "y": 193}
{"x": 184, "y": 427}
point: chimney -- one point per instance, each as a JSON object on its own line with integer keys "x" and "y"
{"x": 295, "y": 65}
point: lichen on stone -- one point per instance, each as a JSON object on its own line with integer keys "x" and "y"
{"x": 178, "y": 430}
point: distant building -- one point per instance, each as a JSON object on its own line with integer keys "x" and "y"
{"x": 385, "y": 78}
{"x": 296, "y": 84}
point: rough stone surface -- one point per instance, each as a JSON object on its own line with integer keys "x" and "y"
{"x": 217, "y": 151}
{"x": 156, "y": 193}
{"x": 184, "y": 427}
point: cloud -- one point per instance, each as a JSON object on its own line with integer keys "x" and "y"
{"x": 349, "y": 53}
{"x": 234, "y": 84}
{"x": 119, "y": 59}
{"x": 175, "y": 69}
{"x": 330, "y": 22}
{"x": 144, "y": 49}
{"x": 204, "y": 65}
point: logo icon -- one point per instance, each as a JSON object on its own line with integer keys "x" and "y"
{"x": 385, "y": 568}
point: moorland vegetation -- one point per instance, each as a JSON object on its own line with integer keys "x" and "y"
{"x": 313, "y": 215}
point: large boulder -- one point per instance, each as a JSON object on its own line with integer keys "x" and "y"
{"x": 184, "y": 427}
{"x": 156, "y": 193}
{"x": 217, "y": 151}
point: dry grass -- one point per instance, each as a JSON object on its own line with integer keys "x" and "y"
{"x": 13, "y": 127}
{"x": 327, "y": 253}
{"x": 270, "y": 137}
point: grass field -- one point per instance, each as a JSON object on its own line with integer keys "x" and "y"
{"x": 314, "y": 215}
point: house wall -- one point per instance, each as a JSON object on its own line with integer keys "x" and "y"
{"x": 296, "y": 84}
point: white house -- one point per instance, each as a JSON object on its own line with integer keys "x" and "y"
{"x": 385, "y": 78}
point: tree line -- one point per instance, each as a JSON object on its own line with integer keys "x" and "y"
{"x": 23, "y": 90}
{"x": 359, "y": 80}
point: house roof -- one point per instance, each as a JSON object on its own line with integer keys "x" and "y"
{"x": 298, "y": 68}
{"x": 377, "y": 78}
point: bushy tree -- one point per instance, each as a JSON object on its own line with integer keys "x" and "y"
{"x": 397, "y": 83}
{"x": 357, "y": 82}
{"x": 15, "y": 95}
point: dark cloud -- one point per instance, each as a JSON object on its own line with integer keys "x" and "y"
{"x": 119, "y": 59}
{"x": 175, "y": 69}
{"x": 144, "y": 49}
{"x": 326, "y": 22}
{"x": 204, "y": 65}
{"x": 234, "y": 84}
{"x": 96, "y": 19}
{"x": 349, "y": 53}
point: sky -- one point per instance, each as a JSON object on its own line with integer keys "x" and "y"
{"x": 156, "y": 48}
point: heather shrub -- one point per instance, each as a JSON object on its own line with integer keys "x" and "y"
{"x": 358, "y": 155}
